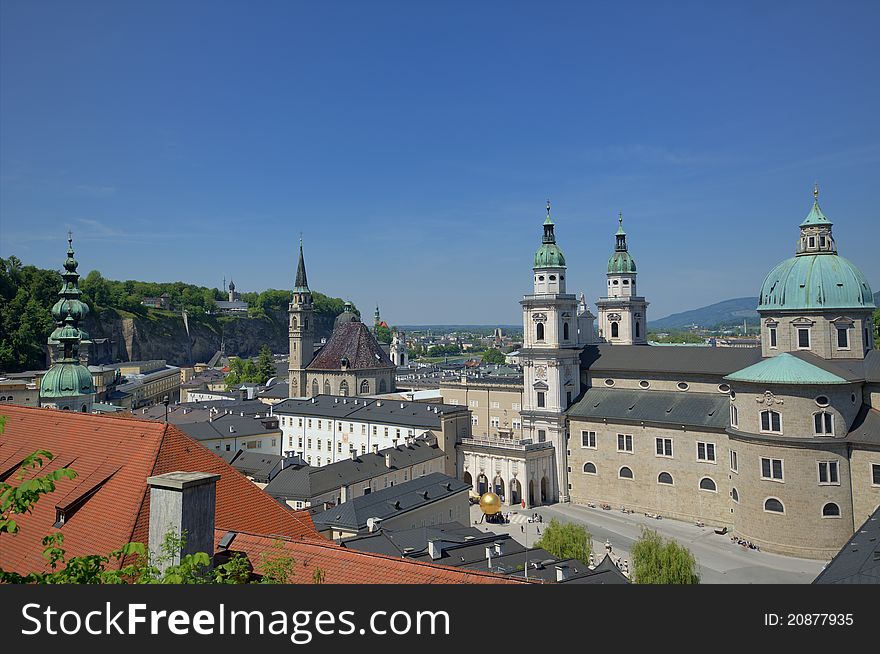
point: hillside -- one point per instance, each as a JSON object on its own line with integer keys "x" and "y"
{"x": 721, "y": 314}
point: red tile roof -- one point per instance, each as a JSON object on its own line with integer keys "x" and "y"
{"x": 345, "y": 566}
{"x": 115, "y": 455}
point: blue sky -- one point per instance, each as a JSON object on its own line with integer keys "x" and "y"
{"x": 414, "y": 144}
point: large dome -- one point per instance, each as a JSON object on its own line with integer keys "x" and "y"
{"x": 621, "y": 262}
{"x": 66, "y": 380}
{"x": 818, "y": 281}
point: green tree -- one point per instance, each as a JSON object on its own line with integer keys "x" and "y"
{"x": 567, "y": 540}
{"x": 265, "y": 364}
{"x": 383, "y": 334}
{"x": 493, "y": 356}
{"x": 657, "y": 560}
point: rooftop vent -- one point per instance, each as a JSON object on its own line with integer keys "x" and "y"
{"x": 231, "y": 429}
{"x": 227, "y": 539}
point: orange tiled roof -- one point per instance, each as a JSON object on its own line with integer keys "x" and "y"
{"x": 345, "y": 566}
{"x": 121, "y": 452}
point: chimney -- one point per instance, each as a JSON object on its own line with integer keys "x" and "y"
{"x": 435, "y": 551}
{"x": 353, "y": 453}
{"x": 182, "y": 503}
{"x": 373, "y": 524}
{"x": 343, "y": 494}
{"x": 499, "y": 547}
{"x": 388, "y": 459}
{"x": 375, "y": 448}
{"x": 562, "y": 572}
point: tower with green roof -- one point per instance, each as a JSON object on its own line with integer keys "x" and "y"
{"x": 550, "y": 357}
{"x": 622, "y": 312}
{"x": 67, "y": 385}
{"x": 816, "y": 301}
{"x": 301, "y": 329}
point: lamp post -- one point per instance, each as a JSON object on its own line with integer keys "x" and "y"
{"x": 165, "y": 402}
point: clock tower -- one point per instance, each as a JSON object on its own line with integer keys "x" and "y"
{"x": 551, "y": 362}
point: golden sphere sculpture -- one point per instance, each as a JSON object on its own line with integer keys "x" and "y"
{"x": 490, "y": 503}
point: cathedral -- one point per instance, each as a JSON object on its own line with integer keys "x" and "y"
{"x": 778, "y": 444}
{"x": 350, "y": 363}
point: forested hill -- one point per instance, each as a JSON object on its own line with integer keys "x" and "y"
{"x": 27, "y": 294}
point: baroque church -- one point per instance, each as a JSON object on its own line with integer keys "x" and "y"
{"x": 350, "y": 363}
{"x": 778, "y": 444}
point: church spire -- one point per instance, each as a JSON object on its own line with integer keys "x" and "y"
{"x": 302, "y": 284}
{"x": 620, "y": 235}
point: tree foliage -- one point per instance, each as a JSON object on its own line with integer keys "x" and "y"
{"x": 443, "y": 350}
{"x": 657, "y": 560}
{"x": 383, "y": 334}
{"x": 493, "y": 356}
{"x": 567, "y": 540}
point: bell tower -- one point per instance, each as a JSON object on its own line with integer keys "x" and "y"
{"x": 301, "y": 330}
{"x": 622, "y": 312}
{"x": 550, "y": 356}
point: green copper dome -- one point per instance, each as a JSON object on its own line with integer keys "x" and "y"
{"x": 815, "y": 281}
{"x": 66, "y": 380}
{"x": 549, "y": 255}
{"x": 621, "y": 262}
{"x": 817, "y": 278}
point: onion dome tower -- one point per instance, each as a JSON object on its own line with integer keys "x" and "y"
{"x": 68, "y": 384}
{"x": 622, "y": 312}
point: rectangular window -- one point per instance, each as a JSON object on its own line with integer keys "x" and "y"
{"x": 319, "y": 443}
{"x": 664, "y": 446}
{"x": 706, "y": 452}
{"x": 374, "y": 430}
{"x": 474, "y": 403}
{"x": 310, "y": 423}
{"x": 541, "y": 401}
{"x": 734, "y": 416}
{"x": 339, "y": 447}
{"x": 734, "y": 465}
{"x": 516, "y": 406}
{"x": 495, "y": 405}
{"x": 823, "y": 423}
{"x": 803, "y": 336}
{"x": 875, "y": 473}
{"x": 299, "y": 422}
{"x": 773, "y": 337}
{"x": 588, "y": 439}
{"x": 624, "y": 443}
{"x": 363, "y": 430}
{"x": 828, "y": 473}
{"x": 568, "y": 398}
{"x": 310, "y": 443}
{"x": 319, "y": 425}
{"x": 542, "y": 435}
{"x": 517, "y": 424}
{"x": 771, "y": 469}
{"x": 771, "y": 421}
{"x": 290, "y": 441}
{"x": 495, "y": 422}
{"x": 474, "y": 421}
{"x": 300, "y": 443}
{"x": 842, "y": 338}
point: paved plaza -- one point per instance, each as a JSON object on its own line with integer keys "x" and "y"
{"x": 719, "y": 560}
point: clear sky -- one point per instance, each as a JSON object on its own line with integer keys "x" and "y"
{"x": 414, "y": 144}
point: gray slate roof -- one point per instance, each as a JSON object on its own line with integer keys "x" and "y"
{"x": 858, "y": 562}
{"x": 242, "y": 427}
{"x": 353, "y": 342}
{"x": 256, "y": 465}
{"x": 392, "y": 412}
{"x": 413, "y": 542}
{"x": 866, "y": 426}
{"x": 307, "y": 482}
{"x": 390, "y": 502}
{"x": 702, "y": 410}
{"x": 686, "y": 359}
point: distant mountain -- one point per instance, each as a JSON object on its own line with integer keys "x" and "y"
{"x": 729, "y": 312}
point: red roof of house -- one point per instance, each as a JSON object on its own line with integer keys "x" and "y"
{"x": 113, "y": 456}
{"x": 344, "y": 566}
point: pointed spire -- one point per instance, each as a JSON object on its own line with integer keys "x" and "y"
{"x": 816, "y": 192}
{"x": 549, "y": 235}
{"x": 620, "y": 246}
{"x": 548, "y": 220}
{"x": 816, "y": 217}
{"x": 301, "y": 285}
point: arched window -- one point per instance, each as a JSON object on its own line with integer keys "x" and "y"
{"x": 772, "y": 505}
{"x": 664, "y": 478}
{"x": 293, "y": 322}
{"x": 343, "y": 387}
{"x": 383, "y": 388}
{"x": 327, "y": 390}
{"x": 315, "y": 390}
{"x": 293, "y": 388}
{"x": 539, "y": 331}
{"x": 734, "y": 416}
{"x": 565, "y": 331}
{"x": 637, "y": 329}
{"x": 823, "y": 423}
{"x": 625, "y": 473}
{"x": 708, "y": 484}
{"x": 771, "y": 421}
{"x": 831, "y": 510}
{"x": 735, "y": 495}
{"x": 305, "y": 323}
{"x": 590, "y": 468}
{"x": 615, "y": 330}
{"x": 365, "y": 387}
{"x": 84, "y": 409}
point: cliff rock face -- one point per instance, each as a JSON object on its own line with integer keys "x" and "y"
{"x": 160, "y": 335}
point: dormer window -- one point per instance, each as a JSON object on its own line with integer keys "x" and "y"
{"x": 812, "y": 242}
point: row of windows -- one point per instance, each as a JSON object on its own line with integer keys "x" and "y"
{"x": 804, "y": 337}
{"x": 474, "y": 404}
{"x": 539, "y": 331}
{"x": 771, "y": 421}
{"x": 705, "y": 451}
{"x": 682, "y": 386}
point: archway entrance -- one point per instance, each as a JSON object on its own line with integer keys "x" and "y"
{"x": 531, "y": 492}
{"x": 466, "y": 478}
{"x": 515, "y": 491}
{"x": 543, "y": 490}
{"x": 498, "y": 487}
{"x": 482, "y": 484}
